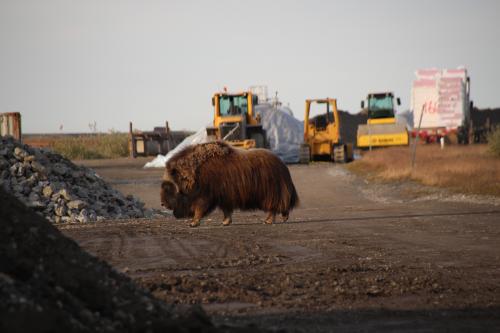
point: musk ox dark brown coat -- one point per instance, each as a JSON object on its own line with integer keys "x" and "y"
{"x": 203, "y": 177}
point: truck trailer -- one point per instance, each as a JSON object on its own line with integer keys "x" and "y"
{"x": 440, "y": 101}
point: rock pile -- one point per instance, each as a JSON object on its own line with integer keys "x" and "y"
{"x": 60, "y": 190}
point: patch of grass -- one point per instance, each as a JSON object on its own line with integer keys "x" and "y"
{"x": 95, "y": 146}
{"x": 466, "y": 169}
{"x": 494, "y": 142}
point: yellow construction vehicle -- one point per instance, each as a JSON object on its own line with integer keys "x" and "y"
{"x": 235, "y": 120}
{"x": 381, "y": 129}
{"x": 322, "y": 139}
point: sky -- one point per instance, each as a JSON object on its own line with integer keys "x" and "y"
{"x": 70, "y": 63}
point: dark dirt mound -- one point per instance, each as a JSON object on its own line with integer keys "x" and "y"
{"x": 349, "y": 125}
{"x": 49, "y": 284}
{"x": 483, "y": 122}
{"x": 485, "y": 117}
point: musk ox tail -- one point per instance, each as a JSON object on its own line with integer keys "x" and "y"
{"x": 294, "y": 198}
{"x": 289, "y": 196}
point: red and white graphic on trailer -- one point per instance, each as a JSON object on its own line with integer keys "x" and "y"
{"x": 442, "y": 95}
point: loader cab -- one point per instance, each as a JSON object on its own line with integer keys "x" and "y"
{"x": 380, "y": 105}
{"x": 232, "y": 105}
{"x": 239, "y": 104}
{"x": 320, "y": 115}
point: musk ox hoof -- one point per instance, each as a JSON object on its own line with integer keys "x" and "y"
{"x": 284, "y": 218}
{"x": 227, "y": 222}
{"x": 270, "y": 218}
{"x": 194, "y": 224}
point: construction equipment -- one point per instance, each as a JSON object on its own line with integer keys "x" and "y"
{"x": 160, "y": 140}
{"x": 235, "y": 120}
{"x": 322, "y": 139}
{"x": 381, "y": 129}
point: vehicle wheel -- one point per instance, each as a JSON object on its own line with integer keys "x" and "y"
{"x": 304, "y": 154}
{"x": 340, "y": 154}
{"x": 259, "y": 140}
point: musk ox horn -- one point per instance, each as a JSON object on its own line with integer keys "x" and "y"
{"x": 168, "y": 177}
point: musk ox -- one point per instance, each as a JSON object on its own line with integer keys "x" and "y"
{"x": 203, "y": 177}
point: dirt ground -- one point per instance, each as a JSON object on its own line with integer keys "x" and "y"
{"x": 355, "y": 256}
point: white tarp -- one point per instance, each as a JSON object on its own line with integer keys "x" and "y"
{"x": 196, "y": 138}
{"x": 284, "y": 134}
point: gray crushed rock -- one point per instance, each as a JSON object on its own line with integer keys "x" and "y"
{"x": 59, "y": 190}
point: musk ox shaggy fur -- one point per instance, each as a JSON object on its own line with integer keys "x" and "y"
{"x": 213, "y": 175}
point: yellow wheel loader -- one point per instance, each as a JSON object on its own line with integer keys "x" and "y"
{"x": 322, "y": 139}
{"x": 381, "y": 129}
{"x": 235, "y": 121}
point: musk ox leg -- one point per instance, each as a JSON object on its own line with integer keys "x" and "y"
{"x": 227, "y": 217}
{"x": 270, "y": 218}
{"x": 284, "y": 217}
{"x": 200, "y": 208}
{"x": 196, "y": 219}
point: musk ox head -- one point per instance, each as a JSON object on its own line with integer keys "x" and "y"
{"x": 179, "y": 184}
{"x": 172, "y": 199}
{"x": 168, "y": 195}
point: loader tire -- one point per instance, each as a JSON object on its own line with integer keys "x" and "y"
{"x": 340, "y": 154}
{"x": 259, "y": 140}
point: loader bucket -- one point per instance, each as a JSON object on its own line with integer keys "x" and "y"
{"x": 382, "y": 135}
{"x": 243, "y": 144}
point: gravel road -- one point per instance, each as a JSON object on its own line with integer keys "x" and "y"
{"x": 355, "y": 256}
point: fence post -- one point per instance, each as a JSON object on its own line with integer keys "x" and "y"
{"x": 133, "y": 147}
{"x": 414, "y": 152}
